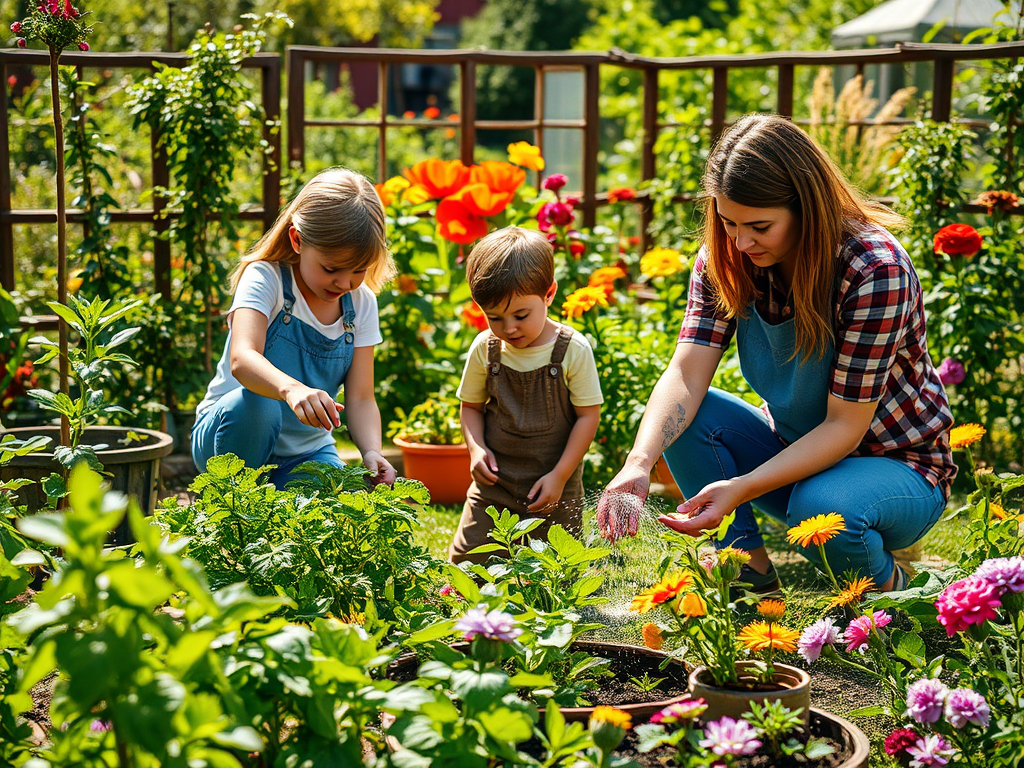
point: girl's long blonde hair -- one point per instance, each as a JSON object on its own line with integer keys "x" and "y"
{"x": 338, "y": 210}
{"x": 765, "y": 161}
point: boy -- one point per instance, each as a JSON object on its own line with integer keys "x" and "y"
{"x": 531, "y": 397}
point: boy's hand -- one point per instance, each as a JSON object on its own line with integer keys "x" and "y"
{"x": 314, "y": 407}
{"x": 483, "y": 466}
{"x": 546, "y": 492}
{"x": 380, "y": 468}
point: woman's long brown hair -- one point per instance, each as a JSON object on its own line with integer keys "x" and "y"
{"x": 765, "y": 161}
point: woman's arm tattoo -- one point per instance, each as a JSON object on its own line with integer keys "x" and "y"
{"x": 673, "y": 427}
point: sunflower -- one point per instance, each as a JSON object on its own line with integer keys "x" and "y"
{"x": 773, "y": 610}
{"x": 963, "y": 435}
{"x": 768, "y": 636}
{"x": 853, "y": 592}
{"x": 666, "y": 589}
{"x": 611, "y": 715}
{"x": 652, "y": 636}
{"x": 816, "y": 530}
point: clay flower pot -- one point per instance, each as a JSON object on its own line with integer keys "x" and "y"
{"x": 792, "y": 687}
{"x": 444, "y": 469}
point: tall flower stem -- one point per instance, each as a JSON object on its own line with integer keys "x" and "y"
{"x": 828, "y": 568}
{"x": 62, "y": 240}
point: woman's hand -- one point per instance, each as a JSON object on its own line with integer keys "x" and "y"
{"x": 706, "y": 510}
{"x": 380, "y": 468}
{"x": 546, "y": 492}
{"x": 482, "y": 465}
{"x": 314, "y": 407}
{"x": 618, "y": 510}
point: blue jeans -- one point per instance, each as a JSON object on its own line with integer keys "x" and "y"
{"x": 248, "y": 425}
{"x": 886, "y": 504}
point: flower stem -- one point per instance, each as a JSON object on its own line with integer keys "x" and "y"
{"x": 828, "y": 568}
{"x": 62, "y": 242}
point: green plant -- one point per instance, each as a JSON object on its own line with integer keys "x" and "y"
{"x": 434, "y": 421}
{"x": 646, "y": 683}
{"x": 780, "y": 728}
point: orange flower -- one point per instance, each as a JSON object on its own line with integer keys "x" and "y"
{"x": 449, "y": 133}
{"x": 457, "y": 223}
{"x": 525, "y": 155}
{"x": 772, "y": 609}
{"x": 439, "y": 177}
{"x": 666, "y": 589}
{"x": 652, "y": 636}
{"x": 431, "y": 113}
{"x": 498, "y": 176}
{"x": 481, "y": 200}
{"x": 605, "y": 277}
{"x": 692, "y": 606}
{"x": 765, "y": 636}
{"x": 407, "y": 284}
{"x": 816, "y": 530}
{"x": 75, "y": 280}
{"x": 389, "y": 190}
{"x": 963, "y": 435}
{"x": 474, "y": 317}
{"x": 408, "y": 114}
{"x": 853, "y": 592}
{"x": 621, "y": 194}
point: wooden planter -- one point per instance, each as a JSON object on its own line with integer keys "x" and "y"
{"x": 793, "y": 688}
{"x": 134, "y": 469}
{"x": 846, "y": 734}
{"x": 444, "y": 469}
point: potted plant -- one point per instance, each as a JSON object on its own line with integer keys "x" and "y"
{"x": 433, "y": 450}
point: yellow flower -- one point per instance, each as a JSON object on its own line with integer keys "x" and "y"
{"x": 652, "y": 636}
{"x": 661, "y": 262}
{"x": 998, "y": 511}
{"x": 773, "y": 610}
{"x": 666, "y": 589}
{"x": 764, "y": 636}
{"x": 692, "y": 606}
{"x": 853, "y": 592}
{"x": 525, "y": 155}
{"x": 733, "y": 556}
{"x": 416, "y": 194}
{"x": 606, "y": 276}
{"x": 963, "y": 435}
{"x": 816, "y": 530}
{"x": 583, "y": 300}
{"x": 75, "y": 280}
{"x": 611, "y": 715}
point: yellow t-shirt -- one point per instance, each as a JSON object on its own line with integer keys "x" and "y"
{"x": 578, "y": 367}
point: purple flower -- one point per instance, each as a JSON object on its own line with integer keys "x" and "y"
{"x": 859, "y": 630}
{"x": 680, "y": 712}
{"x": 730, "y": 737}
{"x": 555, "y": 181}
{"x": 1006, "y": 572}
{"x": 494, "y": 625}
{"x": 930, "y": 750}
{"x": 925, "y": 698}
{"x": 819, "y": 634}
{"x": 965, "y": 706}
{"x": 100, "y": 726}
{"x": 951, "y": 371}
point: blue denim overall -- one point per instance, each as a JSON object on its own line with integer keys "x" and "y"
{"x": 887, "y": 505}
{"x": 250, "y": 425}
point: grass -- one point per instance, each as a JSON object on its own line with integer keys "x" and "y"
{"x": 634, "y": 564}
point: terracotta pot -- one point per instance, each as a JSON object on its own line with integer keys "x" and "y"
{"x": 661, "y": 474}
{"x": 792, "y": 688}
{"x": 846, "y": 734}
{"x": 444, "y": 469}
{"x": 134, "y": 469}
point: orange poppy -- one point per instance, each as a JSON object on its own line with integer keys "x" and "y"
{"x": 439, "y": 177}
{"x": 481, "y": 200}
{"x": 456, "y": 223}
{"x": 474, "y": 317}
{"x": 498, "y": 176}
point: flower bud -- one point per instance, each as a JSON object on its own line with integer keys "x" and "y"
{"x": 83, "y": 46}
{"x": 16, "y": 27}
{"x": 21, "y": 42}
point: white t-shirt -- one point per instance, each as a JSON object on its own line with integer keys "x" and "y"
{"x": 260, "y": 288}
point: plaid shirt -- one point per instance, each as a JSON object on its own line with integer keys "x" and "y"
{"x": 880, "y": 353}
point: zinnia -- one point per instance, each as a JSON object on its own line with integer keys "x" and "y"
{"x": 899, "y": 740}
{"x": 859, "y": 630}
{"x": 925, "y": 700}
{"x": 1004, "y": 572}
{"x": 958, "y": 240}
{"x": 930, "y": 750}
{"x": 951, "y": 372}
{"x": 973, "y": 600}
{"x": 667, "y": 589}
{"x": 815, "y": 637}
{"x": 730, "y": 737}
{"x": 965, "y": 706}
{"x": 816, "y": 530}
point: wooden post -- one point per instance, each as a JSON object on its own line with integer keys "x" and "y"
{"x": 296, "y": 107}
{"x": 271, "y": 86}
{"x": 719, "y": 101}
{"x": 591, "y": 142}
{"x": 467, "y": 112}
{"x": 647, "y": 156}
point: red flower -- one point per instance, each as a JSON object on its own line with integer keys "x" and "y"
{"x": 481, "y": 200}
{"x": 558, "y": 214}
{"x": 456, "y": 223}
{"x": 83, "y": 46}
{"x": 432, "y": 113}
{"x": 899, "y": 740}
{"x": 576, "y": 248}
{"x": 499, "y": 176}
{"x": 16, "y": 27}
{"x": 621, "y": 194}
{"x": 21, "y": 42}
{"x": 474, "y": 316}
{"x": 12, "y": 80}
{"x": 958, "y": 240}
{"x": 408, "y": 114}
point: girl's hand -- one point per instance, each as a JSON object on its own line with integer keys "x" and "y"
{"x": 380, "y": 468}
{"x": 705, "y": 510}
{"x": 314, "y": 407}
{"x": 483, "y": 466}
{"x": 546, "y": 492}
{"x": 619, "y": 508}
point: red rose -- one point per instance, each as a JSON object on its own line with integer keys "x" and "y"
{"x": 16, "y": 27}
{"x": 958, "y": 240}
{"x": 576, "y": 248}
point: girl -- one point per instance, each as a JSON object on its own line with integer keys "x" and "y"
{"x": 829, "y": 323}
{"x": 302, "y": 324}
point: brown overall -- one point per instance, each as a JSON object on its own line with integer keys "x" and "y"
{"x": 527, "y": 421}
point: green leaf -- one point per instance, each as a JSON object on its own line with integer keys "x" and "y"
{"x": 47, "y": 527}
{"x": 872, "y": 711}
{"x": 504, "y": 724}
{"x": 432, "y": 632}
{"x": 909, "y": 647}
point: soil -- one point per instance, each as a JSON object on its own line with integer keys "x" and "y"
{"x": 621, "y": 690}
{"x": 659, "y": 758}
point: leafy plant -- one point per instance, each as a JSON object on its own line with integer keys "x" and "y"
{"x": 780, "y": 728}
{"x": 435, "y": 421}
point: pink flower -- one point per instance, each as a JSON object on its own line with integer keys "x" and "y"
{"x": 973, "y": 600}
{"x": 925, "y": 698}
{"x": 899, "y": 740}
{"x": 16, "y": 27}
{"x": 1005, "y": 572}
{"x": 951, "y": 371}
{"x": 819, "y": 634}
{"x": 730, "y": 737}
{"x": 680, "y": 712}
{"x": 83, "y": 46}
{"x": 558, "y": 214}
{"x": 930, "y": 750}
{"x": 21, "y": 42}
{"x": 965, "y": 706}
{"x": 572, "y": 200}
{"x": 859, "y": 630}
{"x": 555, "y": 181}
{"x": 100, "y": 726}
{"x": 494, "y": 625}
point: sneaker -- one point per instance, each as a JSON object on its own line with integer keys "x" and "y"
{"x": 900, "y": 579}
{"x": 761, "y": 584}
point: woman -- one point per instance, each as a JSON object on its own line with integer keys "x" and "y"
{"x": 829, "y": 323}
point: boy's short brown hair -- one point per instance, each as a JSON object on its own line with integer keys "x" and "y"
{"x": 510, "y": 262}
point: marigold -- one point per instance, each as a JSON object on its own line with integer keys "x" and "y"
{"x": 652, "y": 636}
{"x": 525, "y": 155}
{"x": 963, "y": 435}
{"x": 853, "y": 592}
{"x": 612, "y": 715}
{"x": 816, "y": 530}
{"x": 606, "y": 276}
{"x": 666, "y": 589}
{"x": 661, "y": 262}
{"x": 773, "y": 610}
{"x": 416, "y": 194}
{"x": 583, "y": 300}
{"x": 765, "y": 636}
